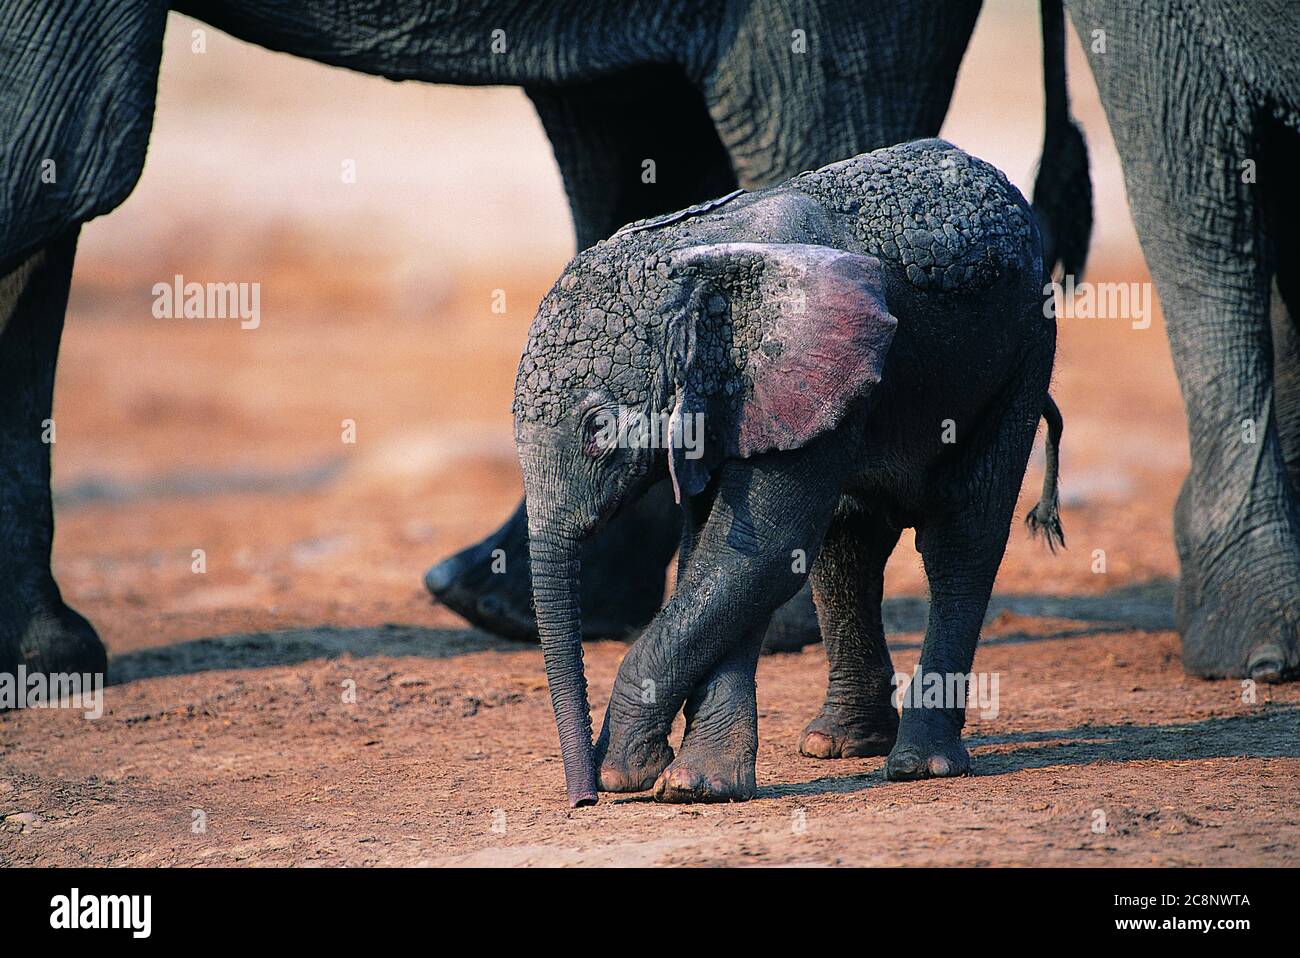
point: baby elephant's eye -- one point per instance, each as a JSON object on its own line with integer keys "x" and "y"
{"x": 600, "y": 432}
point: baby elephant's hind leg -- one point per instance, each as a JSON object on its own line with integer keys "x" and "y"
{"x": 858, "y": 717}
{"x": 962, "y": 548}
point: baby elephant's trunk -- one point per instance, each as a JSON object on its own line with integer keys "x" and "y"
{"x": 1045, "y": 517}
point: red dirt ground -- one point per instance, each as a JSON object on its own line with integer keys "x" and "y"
{"x": 229, "y": 686}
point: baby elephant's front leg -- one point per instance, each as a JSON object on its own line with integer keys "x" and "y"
{"x": 767, "y": 520}
{"x": 701, "y": 651}
{"x": 719, "y": 749}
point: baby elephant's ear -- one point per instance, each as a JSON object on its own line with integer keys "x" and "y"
{"x": 809, "y": 334}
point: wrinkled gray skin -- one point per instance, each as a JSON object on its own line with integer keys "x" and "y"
{"x": 881, "y": 73}
{"x": 828, "y": 330}
{"x": 1193, "y": 90}
{"x": 710, "y": 89}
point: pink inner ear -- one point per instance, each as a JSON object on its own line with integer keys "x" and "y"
{"x": 819, "y": 359}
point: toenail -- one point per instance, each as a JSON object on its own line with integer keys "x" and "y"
{"x": 817, "y": 744}
{"x": 608, "y": 780}
{"x": 439, "y": 577}
{"x": 1266, "y": 670}
{"x": 1265, "y": 665}
{"x": 940, "y": 765}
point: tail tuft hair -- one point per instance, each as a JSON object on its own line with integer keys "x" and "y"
{"x": 1063, "y": 203}
{"x": 1045, "y": 518}
{"x": 1063, "y": 189}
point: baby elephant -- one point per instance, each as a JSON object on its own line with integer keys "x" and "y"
{"x": 817, "y": 366}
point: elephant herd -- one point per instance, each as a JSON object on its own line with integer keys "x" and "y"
{"x": 734, "y": 98}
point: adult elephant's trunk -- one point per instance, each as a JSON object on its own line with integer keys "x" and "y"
{"x": 555, "y": 565}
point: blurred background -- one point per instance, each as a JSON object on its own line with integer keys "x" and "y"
{"x": 376, "y": 307}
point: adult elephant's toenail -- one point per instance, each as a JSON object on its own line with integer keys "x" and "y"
{"x": 613, "y": 779}
{"x": 817, "y": 745}
{"x": 905, "y": 764}
{"x": 680, "y": 778}
{"x": 439, "y": 578}
{"x": 940, "y": 766}
{"x": 1266, "y": 664}
{"x": 608, "y": 780}
{"x": 675, "y": 785}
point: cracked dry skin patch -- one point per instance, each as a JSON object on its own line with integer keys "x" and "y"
{"x": 948, "y": 222}
{"x": 946, "y": 218}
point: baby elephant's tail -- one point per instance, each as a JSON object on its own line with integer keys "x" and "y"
{"x": 1045, "y": 517}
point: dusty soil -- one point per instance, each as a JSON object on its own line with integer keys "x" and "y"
{"x": 231, "y": 700}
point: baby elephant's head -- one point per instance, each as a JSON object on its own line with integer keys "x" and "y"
{"x": 644, "y": 364}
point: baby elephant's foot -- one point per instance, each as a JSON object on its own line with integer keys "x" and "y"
{"x": 837, "y": 733}
{"x": 631, "y": 764}
{"x": 927, "y": 748}
{"x": 701, "y": 774}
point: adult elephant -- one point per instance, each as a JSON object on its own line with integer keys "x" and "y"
{"x": 1203, "y": 99}
{"x": 717, "y": 94}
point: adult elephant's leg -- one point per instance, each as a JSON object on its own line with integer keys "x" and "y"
{"x": 36, "y": 628}
{"x": 490, "y": 583}
{"x": 76, "y": 104}
{"x": 870, "y": 77}
{"x": 603, "y": 135}
{"x": 630, "y": 146}
{"x": 1277, "y": 202}
{"x": 1237, "y": 524}
{"x": 1185, "y": 124}
{"x": 1286, "y": 380}
{"x": 799, "y": 86}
